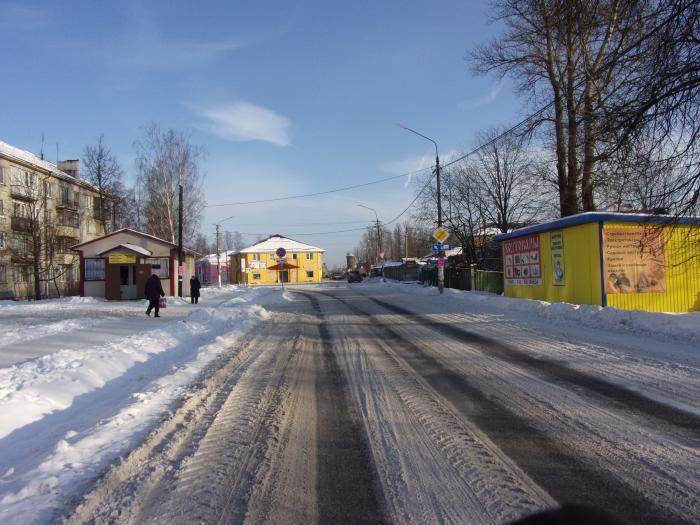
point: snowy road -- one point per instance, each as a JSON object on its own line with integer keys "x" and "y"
{"x": 357, "y": 404}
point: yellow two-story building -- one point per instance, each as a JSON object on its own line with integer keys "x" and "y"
{"x": 277, "y": 259}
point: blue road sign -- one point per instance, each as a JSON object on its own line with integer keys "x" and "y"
{"x": 438, "y": 247}
{"x": 281, "y": 252}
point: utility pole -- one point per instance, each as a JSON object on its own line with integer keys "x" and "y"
{"x": 180, "y": 269}
{"x": 441, "y": 253}
{"x": 218, "y": 251}
{"x": 379, "y": 231}
{"x": 218, "y": 254}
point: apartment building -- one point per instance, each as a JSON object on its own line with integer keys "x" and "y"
{"x": 44, "y": 210}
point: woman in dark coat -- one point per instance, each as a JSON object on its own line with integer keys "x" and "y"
{"x": 154, "y": 291}
{"x": 195, "y": 285}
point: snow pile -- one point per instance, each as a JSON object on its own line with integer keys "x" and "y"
{"x": 64, "y": 416}
{"x": 677, "y": 327}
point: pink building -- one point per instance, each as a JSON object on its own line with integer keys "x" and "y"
{"x": 206, "y": 268}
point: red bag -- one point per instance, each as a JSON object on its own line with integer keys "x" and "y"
{"x": 162, "y": 303}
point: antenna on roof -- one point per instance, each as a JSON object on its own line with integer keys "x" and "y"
{"x": 56, "y": 153}
{"x": 42, "y": 146}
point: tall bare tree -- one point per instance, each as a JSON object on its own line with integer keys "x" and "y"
{"x": 101, "y": 169}
{"x": 573, "y": 54}
{"x": 164, "y": 158}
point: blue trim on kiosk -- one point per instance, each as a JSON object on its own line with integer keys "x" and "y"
{"x": 596, "y": 216}
{"x": 603, "y": 295}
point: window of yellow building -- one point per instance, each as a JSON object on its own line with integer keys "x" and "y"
{"x": 310, "y": 275}
{"x": 309, "y": 256}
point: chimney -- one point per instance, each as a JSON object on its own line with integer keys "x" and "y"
{"x": 70, "y": 167}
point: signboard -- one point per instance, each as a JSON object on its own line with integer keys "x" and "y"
{"x": 181, "y": 270}
{"x": 441, "y": 234}
{"x": 634, "y": 260}
{"x": 522, "y": 265}
{"x": 281, "y": 252}
{"x": 438, "y": 247}
{"x": 557, "y": 247}
{"x": 121, "y": 259}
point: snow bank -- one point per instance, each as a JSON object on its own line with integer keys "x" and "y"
{"x": 677, "y": 327}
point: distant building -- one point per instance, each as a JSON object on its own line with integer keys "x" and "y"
{"x": 207, "y": 268}
{"x": 259, "y": 263}
{"x": 44, "y": 210}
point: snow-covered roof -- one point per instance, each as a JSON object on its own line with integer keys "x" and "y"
{"x": 280, "y": 241}
{"x": 129, "y": 246}
{"x": 223, "y": 257}
{"x": 390, "y": 264}
{"x": 28, "y": 157}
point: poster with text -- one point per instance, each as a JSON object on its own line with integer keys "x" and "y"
{"x": 557, "y": 246}
{"x": 522, "y": 260}
{"x": 634, "y": 260}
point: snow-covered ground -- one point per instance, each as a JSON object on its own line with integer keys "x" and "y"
{"x": 92, "y": 377}
{"x": 83, "y": 380}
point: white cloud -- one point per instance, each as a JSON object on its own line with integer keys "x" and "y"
{"x": 242, "y": 121}
{"x": 484, "y": 100}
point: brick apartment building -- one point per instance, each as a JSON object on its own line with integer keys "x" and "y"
{"x": 44, "y": 210}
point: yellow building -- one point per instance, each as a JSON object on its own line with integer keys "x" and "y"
{"x": 277, "y": 259}
{"x": 630, "y": 261}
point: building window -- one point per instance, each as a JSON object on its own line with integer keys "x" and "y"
{"x": 256, "y": 276}
{"x": 68, "y": 218}
{"x": 309, "y": 256}
{"x": 294, "y": 256}
{"x": 160, "y": 267}
{"x": 48, "y": 189}
{"x": 2, "y": 176}
{"x": 21, "y": 274}
{"x": 255, "y": 256}
{"x": 2, "y": 210}
{"x": 95, "y": 269}
{"x": 3, "y": 274}
{"x": 310, "y": 274}
{"x": 2, "y": 240}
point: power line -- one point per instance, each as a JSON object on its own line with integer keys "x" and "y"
{"x": 316, "y": 194}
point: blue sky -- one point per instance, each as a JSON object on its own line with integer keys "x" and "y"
{"x": 286, "y": 97}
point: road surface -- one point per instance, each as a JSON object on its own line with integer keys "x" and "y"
{"x": 350, "y": 408}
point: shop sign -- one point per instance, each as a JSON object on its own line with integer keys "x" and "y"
{"x": 522, "y": 265}
{"x": 634, "y": 260}
{"x": 120, "y": 258}
{"x": 557, "y": 247}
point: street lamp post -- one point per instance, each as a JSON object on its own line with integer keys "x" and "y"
{"x": 379, "y": 232}
{"x": 441, "y": 254}
{"x": 218, "y": 251}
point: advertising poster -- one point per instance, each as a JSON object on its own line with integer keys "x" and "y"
{"x": 634, "y": 260}
{"x": 557, "y": 246}
{"x": 522, "y": 260}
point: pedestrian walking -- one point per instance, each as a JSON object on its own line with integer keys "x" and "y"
{"x": 154, "y": 291}
{"x": 195, "y": 285}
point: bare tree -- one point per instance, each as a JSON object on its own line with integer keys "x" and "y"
{"x": 102, "y": 170}
{"x": 163, "y": 160}
{"x": 573, "y": 54}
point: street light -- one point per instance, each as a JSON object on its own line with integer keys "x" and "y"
{"x": 218, "y": 251}
{"x": 437, "y": 170}
{"x": 441, "y": 254}
{"x": 379, "y": 234}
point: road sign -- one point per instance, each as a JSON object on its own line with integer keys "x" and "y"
{"x": 181, "y": 270}
{"x": 438, "y": 247}
{"x": 441, "y": 234}
{"x": 281, "y": 252}
{"x": 281, "y": 261}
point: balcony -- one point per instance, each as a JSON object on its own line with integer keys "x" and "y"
{"x": 67, "y": 230}
{"x": 21, "y": 224}
{"x": 22, "y": 192}
{"x": 103, "y": 215}
{"x": 68, "y": 201}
